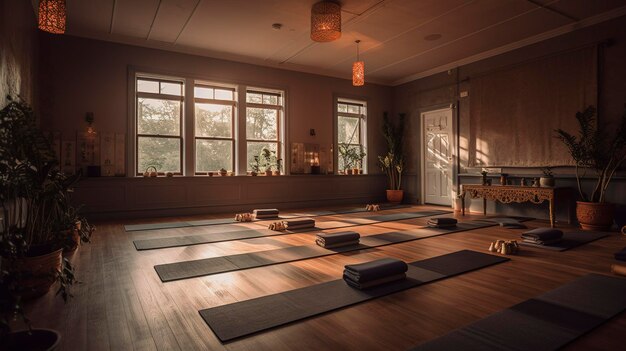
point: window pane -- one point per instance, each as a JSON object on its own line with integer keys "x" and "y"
{"x": 212, "y": 155}
{"x": 159, "y": 117}
{"x": 172, "y": 88}
{"x": 270, "y": 99}
{"x": 214, "y": 120}
{"x": 354, "y": 109}
{"x": 162, "y": 153}
{"x": 348, "y": 130}
{"x": 203, "y": 92}
{"x": 147, "y": 86}
{"x": 342, "y": 108}
{"x": 255, "y": 148}
{"x": 254, "y": 97}
{"x": 221, "y": 94}
{"x": 261, "y": 123}
{"x": 347, "y": 156}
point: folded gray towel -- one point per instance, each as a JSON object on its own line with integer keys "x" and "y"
{"x": 265, "y": 213}
{"x": 374, "y": 283}
{"x": 340, "y": 237}
{"x": 300, "y": 223}
{"x": 373, "y": 270}
{"x": 543, "y": 234}
{"x": 442, "y": 221}
{"x": 332, "y": 246}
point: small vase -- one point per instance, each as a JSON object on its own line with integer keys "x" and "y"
{"x": 546, "y": 181}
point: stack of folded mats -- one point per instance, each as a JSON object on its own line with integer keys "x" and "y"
{"x": 293, "y": 224}
{"x": 443, "y": 222}
{"x": 374, "y": 273}
{"x": 621, "y": 255}
{"x": 542, "y": 236}
{"x": 340, "y": 239}
{"x": 265, "y": 213}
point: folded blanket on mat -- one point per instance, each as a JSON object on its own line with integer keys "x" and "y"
{"x": 442, "y": 222}
{"x": 375, "y": 282}
{"x": 299, "y": 223}
{"x": 621, "y": 255}
{"x": 373, "y": 273}
{"x": 265, "y": 213}
{"x": 323, "y": 239}
{"x": 542, "y": 236}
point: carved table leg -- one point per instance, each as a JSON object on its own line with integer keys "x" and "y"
{"x": 552, "y": 212}
{"x": 484, "y": 206}
{"x": 463, "y": 203}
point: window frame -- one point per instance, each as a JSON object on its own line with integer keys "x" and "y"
{"x": 233, "y": 132}
{"x": 159, "y": 96}
{"x": 280, "y": 115}
{"x": 362, "y": 127}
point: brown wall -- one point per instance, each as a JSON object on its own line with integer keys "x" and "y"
{"x": 18, "y": 48}
{"x": 80, "y": 75}
{"x": 442, "y": 89}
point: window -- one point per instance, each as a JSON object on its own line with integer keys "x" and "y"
{"x": 351, "y": 134}
{"x": 264, "y": 113}
{"x": 214, "y": 128}
{"x": 189, "y": 126}
{"x": 159, "y": 124}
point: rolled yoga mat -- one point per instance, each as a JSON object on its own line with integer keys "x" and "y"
{"x": 215, "y": 265}
{"x": 219, "y": 221}
{"x": 214, "y": 237}
{"x": 546, "y": 322}
{"x": 243, "y": 318}
{"x": 570, "y": 240}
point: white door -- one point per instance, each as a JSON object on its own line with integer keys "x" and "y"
{"x": 437, "y": 156}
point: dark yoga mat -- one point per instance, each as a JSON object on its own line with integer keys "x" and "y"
{"x": 243, "y": 318}
{"x": 214, "y": 265}
{"x": 218, "y": 221}
{"x": 547, "y": 322}
{"x": 187, "y": 240}
{"x": 570, "y": 241}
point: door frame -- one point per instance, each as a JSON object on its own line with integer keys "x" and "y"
{"x": 453, "y": 149}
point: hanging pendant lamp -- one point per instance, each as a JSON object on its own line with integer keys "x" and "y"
{"x": 325, "y": 21}
{"x": 52, "y": 16}
{"x": 358, "y": 69}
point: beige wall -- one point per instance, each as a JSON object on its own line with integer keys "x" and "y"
{"x": 18, "y": 48}
{"x": 442, "y": 89}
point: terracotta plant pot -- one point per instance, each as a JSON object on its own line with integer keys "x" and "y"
{"x": 268, "y": 173}
{"x": 349, "y": 171}
{"x": 276, "y": 173}
{"x": 253, "y": 174}
{"x": 37, "y": 272}
{"x": 35, "y": 339}
{"x": 395, "y": 196}
{"x": 594, "y": 215}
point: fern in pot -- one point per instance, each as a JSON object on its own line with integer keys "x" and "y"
{"x": 600, "y": 157}
{"x": 35, "y": 221}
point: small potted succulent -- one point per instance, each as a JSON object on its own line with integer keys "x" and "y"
{"x": 223, "y": 172}
{"x": 547, "y": 180}
{"x": 254, "y": 166}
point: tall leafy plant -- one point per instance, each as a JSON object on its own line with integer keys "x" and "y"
{"x": 593, "y": 151}
{"x": 392, "y": 163}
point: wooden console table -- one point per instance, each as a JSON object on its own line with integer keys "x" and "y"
{"x": 510, "y": 193}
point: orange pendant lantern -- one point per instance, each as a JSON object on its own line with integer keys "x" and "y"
{"x": 358, "y": 69}
{"x": 52, "y": 16}
{"x": 325, "y": 21}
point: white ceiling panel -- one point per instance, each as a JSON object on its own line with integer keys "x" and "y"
{"x": 400, "y": 39}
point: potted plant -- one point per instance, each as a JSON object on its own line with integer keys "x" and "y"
{"x": 393, "y": 162}
{"x": 254, "y": 166}
{"x": 269, "y": 159}
{"x": 223, "y": 172}
{"x": 351, "y": 157}
{"x": 593, "y": 151}
{"x": 547, "y": 180}
{"x": 34, "y": 202}
{"x": 278, "y": 166}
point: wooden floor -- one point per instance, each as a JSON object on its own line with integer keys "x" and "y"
{"x": 122, "y": 305}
